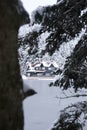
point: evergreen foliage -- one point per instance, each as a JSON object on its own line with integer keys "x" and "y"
{"x": 64, "y": 21}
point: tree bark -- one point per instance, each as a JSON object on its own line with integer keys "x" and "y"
{"x": 11, "y": 110}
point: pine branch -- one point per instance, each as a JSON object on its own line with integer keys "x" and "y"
{"x": 78, "y": 95}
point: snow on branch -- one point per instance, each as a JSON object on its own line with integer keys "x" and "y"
{"x": 77, "y": 95}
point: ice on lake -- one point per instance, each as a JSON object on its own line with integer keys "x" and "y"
{"x": 42, "y": 109}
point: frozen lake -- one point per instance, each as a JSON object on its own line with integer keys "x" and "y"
{"x": 42, "y": 109}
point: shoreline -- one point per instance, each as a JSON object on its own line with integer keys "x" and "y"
{"x": 41, "y": 78}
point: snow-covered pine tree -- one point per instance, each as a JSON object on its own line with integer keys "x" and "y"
{"x": 58, "y": 33}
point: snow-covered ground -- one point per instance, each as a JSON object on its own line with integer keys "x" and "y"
{"x": 42, "y": 109}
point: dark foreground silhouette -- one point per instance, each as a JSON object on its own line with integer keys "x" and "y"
{"x": 12, "y": 15}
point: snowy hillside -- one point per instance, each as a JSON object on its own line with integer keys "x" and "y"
{"x": 57, "y": 33}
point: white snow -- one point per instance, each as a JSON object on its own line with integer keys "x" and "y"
{"x": 60, "y": 1}
{"x": 42, "y": 109}
{"x": 47, "y": 63}
{"x": 23, "y": 30}
{"x": 42, "y": 40}
{"x": 83, "y": 12}
{"x": 23, "y": 55}
{"x": 26, "y": 29}
{"x": 66, "y": 49}
{"x": 24, "y": 77}
{"x": 39, "y": 9}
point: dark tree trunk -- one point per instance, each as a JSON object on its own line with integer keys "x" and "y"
{"x": 11, "y": 113}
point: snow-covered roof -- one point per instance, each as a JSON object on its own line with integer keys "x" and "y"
{"x": 37, "y": 65}
{"x": 55, "y": 64}
{"x": 45, "y": 64}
